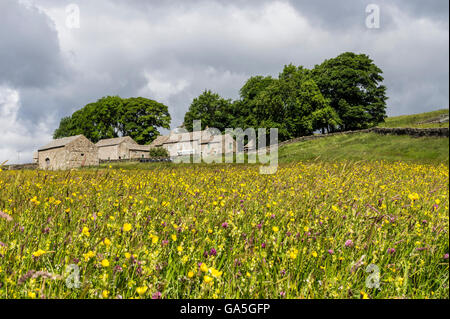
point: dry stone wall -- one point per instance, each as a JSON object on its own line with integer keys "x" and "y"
{"x": 415, "y": 132}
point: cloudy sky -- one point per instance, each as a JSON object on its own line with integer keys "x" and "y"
{"x": 172, "y": 50}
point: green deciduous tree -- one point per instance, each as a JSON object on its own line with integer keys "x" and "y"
{"x": 113, "y": 116}
{"x": 352, "y": 84}
{"x": 287, "y": 103}
{"x": 344, "y": 93}
{"x": 211, "y": 109}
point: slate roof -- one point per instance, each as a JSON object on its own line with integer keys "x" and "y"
{"x": 60, "y": 142}
{"x": 159, "y": 141}
{"x": 138, "y": 147}
{"x": 114, "y": 141}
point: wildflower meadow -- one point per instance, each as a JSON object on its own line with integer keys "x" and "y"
{"x": 312, "y": 230}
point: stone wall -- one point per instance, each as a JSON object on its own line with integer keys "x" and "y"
{"x": 53, "y": 159}
{"x": 138, "y": 154}
{"x": 108, "y": 152}
{"x": 118, "y": 151}
{"x": 415, "y": 132}
{"x": 123, "y": 150}
{"x": 82, "y": 152}
{"x": 21, "y": 166}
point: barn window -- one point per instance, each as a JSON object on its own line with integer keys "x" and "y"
{"x": 47, "y": 161}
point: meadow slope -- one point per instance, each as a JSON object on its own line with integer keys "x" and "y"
{"x": 309, "y": 231}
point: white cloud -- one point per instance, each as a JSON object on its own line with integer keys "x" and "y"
{"x": 160, "y": 88}
{"x": 17, "y": 141}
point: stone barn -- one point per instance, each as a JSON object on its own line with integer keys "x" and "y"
{"x": 68, "y": 152}
{"x": 121, "y": 148}
{"x": 200, "y": 143}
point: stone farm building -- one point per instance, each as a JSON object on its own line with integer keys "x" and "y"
{"x": 196, "y": 143}
{"x": 121, "y": 148}
{"x": 67, "y": 153}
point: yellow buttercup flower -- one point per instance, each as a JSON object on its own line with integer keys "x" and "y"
{"x": 207, "y": 279}
{"x": 141, "y": 290}
{"x": 126, "y": 227}
{"x": 215, "y": 273}
{"x": 203, "y": 267}
{"x": 105, "y": 263}
{"x": 85, "y": 231}
{"x": 39, "y": 253}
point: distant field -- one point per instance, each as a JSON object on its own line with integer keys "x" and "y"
{"x": 369, "y": 147}
{"x": 356, "y": 147}
{"x": 416, "y": 120}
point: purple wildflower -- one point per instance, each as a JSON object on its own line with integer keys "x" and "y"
{"x": 391, "y": 250}
{"x": 225, "y": 225}
{"x": 349, "y": 243}
{"x": 156, "y": 295}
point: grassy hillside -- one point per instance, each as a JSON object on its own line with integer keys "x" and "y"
{"x": 369, "y": 147}
{"x": 416, "y": 120}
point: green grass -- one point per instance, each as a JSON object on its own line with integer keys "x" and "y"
{"x": 308, "y": 231}
{"x": 369, "y": 147}
{"x": 354, "y": 147}
{"x": 414, "y": 120}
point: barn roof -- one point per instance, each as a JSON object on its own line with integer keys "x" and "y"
{"x": 60, "y": 142}
{"x": 138, "y": 147}
{"x": 160, "y": 140}
{"x": 114, "y": 141}
{"x": 187, "y": 136}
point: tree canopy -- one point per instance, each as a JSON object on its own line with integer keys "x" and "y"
{"x": 113, "y": 116}
{"x": 343, "y": 93}
{"x": 211, "y": 109}
{"x": 352, "y": 84}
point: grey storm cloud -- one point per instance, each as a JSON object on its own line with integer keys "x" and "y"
{"x": 29, "y": 49}
{"x": 172, "y": 50}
